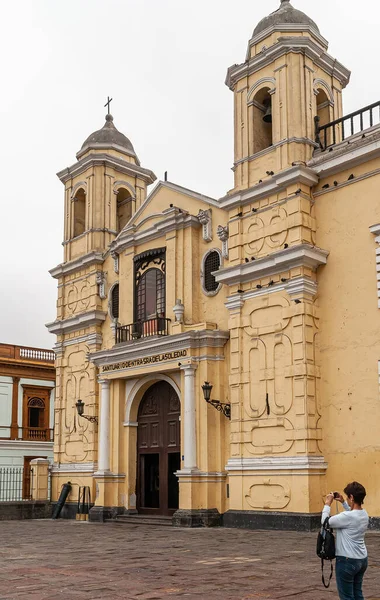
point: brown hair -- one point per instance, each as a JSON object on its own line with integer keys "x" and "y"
{"x": 356, "y": 490}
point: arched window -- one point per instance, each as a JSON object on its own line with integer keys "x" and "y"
{"x": 79, "y": 213}
{"x": 211, "y": 263}
{"x": 323, "y": 107}
{"x": 36, "y": 413}
{"x": 114, "y": 302}
{"x": 323, "y": 114}
{"x": 123, "y": 208}
{"x": 150, "y": 295}
{"x": 262, "y": 120}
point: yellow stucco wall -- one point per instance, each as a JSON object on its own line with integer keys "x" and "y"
{"x": 349, "y": 340}
{"x": 300, "y": 368}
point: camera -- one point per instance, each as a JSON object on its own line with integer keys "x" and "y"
{"x": 336, "y": 495}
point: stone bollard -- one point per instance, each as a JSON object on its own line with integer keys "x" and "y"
{"x": 40, "y": 479}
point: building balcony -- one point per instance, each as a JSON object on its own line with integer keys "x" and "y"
{"x": 37, "y": 434}
{"x": 156, "y": 326}
{"x": 327, "y": 136}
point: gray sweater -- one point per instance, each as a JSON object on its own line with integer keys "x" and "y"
{"x": 350, "y": 527}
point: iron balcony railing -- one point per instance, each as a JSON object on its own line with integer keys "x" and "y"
{"x": 337, "y": 131}
{"x": 15, "y": 484}
{"x": 142, "y": 329}
{"x": 38, "y": 434}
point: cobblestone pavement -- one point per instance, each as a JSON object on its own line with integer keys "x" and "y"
{"x": 75, "y": 560}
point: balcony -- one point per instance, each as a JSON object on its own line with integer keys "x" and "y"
{"x": 26, "y": 354}
{"x": 37, "y": 434}
{"x": 338, "y": 131}
{"x": 157, "y": 326}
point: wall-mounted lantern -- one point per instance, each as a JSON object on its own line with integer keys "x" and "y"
{"x": 80, "y": 409}
{"x": 222, "y": 407}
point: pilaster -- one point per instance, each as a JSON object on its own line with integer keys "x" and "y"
{"x": 104, "y": 429}
{"x": 14, "y": 422}
{"x": 189, "y": 426}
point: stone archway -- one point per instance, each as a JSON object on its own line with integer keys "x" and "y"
{"x": 158, "y": 450}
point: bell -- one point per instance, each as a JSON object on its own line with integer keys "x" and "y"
{"x": 267, "y": 118}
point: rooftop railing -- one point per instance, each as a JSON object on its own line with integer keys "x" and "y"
{"x": 36, "y": 354}
{"x": 337, "y": 131}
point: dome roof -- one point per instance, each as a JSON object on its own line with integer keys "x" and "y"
{"x": 285, "y": 14}
{"x": 108, "y": 135}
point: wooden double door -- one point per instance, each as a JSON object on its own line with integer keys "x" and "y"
{"x": 158, "y": 450}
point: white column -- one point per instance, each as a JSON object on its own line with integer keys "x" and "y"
{"x": 189, "y": 426}
{"x": 104, "y": 427}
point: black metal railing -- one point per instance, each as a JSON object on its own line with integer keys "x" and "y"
{"x": 16, "y": 484}
{"x": 142, "y": 329}
{"x": 39, "y": 434}
{"x": 337, "y": 131}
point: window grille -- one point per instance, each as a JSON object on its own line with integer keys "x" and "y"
{"x": 115, "y": 302}
{"x": 211, "y": 263}
{"x": 151, "y": 295}
{"x": 36, "y": 402}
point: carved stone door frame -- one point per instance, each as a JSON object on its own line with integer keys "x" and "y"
{"x": 158, "y": 450}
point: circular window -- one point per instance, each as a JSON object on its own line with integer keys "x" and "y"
{"x": 211, "y": 263}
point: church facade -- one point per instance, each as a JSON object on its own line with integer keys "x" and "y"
{"x": 217, "y": 359}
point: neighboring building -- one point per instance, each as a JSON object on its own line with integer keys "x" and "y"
{"x": 27, "y": 383}
{"x": 269, "y": 293}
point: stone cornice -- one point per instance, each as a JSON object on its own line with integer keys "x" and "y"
{"x": 81, "y": 321}
{"x": 99, "y": 160}
{"x": 277, "y": 463}
{"x": 194, "y": 476}
{"x": 277, "y": 183}
{"x": 284, "y": 28}
{"x": 283, "y": 46}
{"x": 298, "y": 287}
{"x": 354, "y": 151}
{"x": 88, "y": 260}
{"x": 213, "y": 338}
{"x": 105, "y": 146}
{"x": 172, "y": 219}
{"x": 91, "y": 339}
{"x": 85, "y": 467}
{"x": 92, "y": 230}
{"x": 284, "y": 142}
{"x": 303, "y": 255}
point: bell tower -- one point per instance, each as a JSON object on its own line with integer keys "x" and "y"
{"x": 287, "y": 81}
{"x": 102, "y": 191}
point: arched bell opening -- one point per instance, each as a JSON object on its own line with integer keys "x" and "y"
{"x": 262, "y": 120}
{"x": 324, "y": 116}
{"x": 79, "y": 213}
{"x": 158, "y": 450}
{"x": 323, "y": 107}
{"x": 123, "y": 208}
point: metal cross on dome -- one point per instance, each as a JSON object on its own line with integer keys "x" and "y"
{"x": 109, "y": 100}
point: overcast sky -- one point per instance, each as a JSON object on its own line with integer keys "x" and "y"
{"x": 164, "y": 63}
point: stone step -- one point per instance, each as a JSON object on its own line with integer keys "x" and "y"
{"x": 158, "y": 521}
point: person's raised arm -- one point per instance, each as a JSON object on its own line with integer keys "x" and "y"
{"x": 340, "y": 521}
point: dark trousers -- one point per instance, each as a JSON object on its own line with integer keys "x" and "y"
{"x": 349, "y": 577}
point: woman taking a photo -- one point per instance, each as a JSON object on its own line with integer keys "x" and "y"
{"x": 350, "y": 550}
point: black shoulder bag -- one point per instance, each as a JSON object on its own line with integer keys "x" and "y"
{"x": 326, "y": 548}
